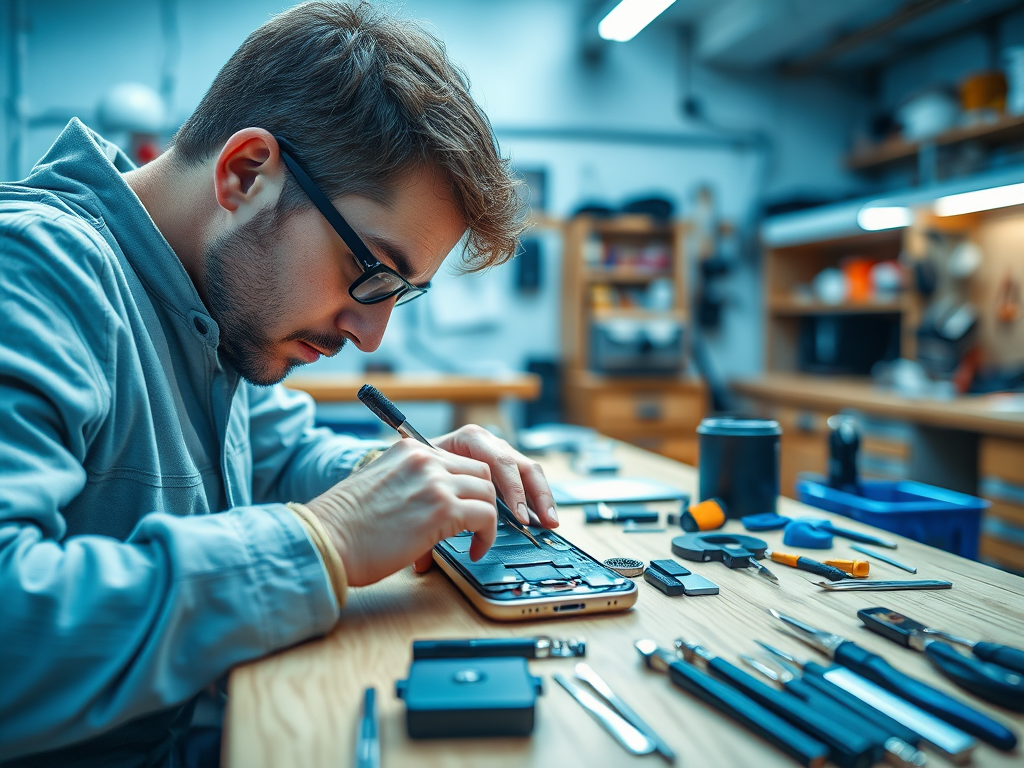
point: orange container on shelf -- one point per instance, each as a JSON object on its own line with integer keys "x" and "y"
{"x": 985, "y": 91}
{"x": 857, "y": 271}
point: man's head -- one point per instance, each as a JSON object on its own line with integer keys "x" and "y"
{"x": 384, "y": 125}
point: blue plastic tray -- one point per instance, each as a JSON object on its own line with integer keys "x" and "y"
{"x": 936, "y": 516}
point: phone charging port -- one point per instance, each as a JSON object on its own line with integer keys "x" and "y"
{"x": 570, "y": 607}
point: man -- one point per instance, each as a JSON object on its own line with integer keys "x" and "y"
{"x": 146, "y": 316}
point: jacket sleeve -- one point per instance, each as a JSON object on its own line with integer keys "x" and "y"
{"x": 293, "y": 460}
{"x": 95, "y": 631}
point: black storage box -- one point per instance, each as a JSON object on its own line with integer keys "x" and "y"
{"x": 447, "y": 698}
{"x": 639, "y": 347}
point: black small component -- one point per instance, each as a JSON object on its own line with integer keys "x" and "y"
{"x": 670, "y": 568}
{"x": 670, "y": 585}
{"x": 447, "y": 698}
{"x": 890, "y": 624}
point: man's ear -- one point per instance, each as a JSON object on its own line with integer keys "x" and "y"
{"x": 248, "y": 167}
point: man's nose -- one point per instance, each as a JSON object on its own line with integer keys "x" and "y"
{"x": 365, "y": 323}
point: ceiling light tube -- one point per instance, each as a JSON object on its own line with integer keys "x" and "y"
{"x": 980, "y": 200}
{"x": 626, "y": 19}
{"x": 874, "y": 218}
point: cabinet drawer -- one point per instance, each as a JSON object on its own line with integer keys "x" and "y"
{"x": 1004, "y": 553}
{"x": 1002, "y": 458}
{"x": 636, "y": 409}
{"x": 1004, "y": 510}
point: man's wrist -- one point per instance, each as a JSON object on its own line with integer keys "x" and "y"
{"x": 324, "y": 544}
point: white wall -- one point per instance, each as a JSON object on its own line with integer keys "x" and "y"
{"x": 524, "y": 63}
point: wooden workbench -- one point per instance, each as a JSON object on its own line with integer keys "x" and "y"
{"x": 474, "y": 399}
{"x": 300, "y": 707}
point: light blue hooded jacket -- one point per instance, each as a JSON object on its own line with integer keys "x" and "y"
{"x": 144, "y": 547}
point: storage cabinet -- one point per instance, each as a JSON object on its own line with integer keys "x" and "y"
{"x": 626, "y": 276}
{"x": 1001, "y": 481}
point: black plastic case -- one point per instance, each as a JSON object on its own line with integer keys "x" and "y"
{"x": 447, "y": 698}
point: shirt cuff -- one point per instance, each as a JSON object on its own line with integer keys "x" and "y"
{"x": 321, "y": 539}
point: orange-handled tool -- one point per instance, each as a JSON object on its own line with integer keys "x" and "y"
{"x": 806, "y": 564}
{"x": 856, "y": 568}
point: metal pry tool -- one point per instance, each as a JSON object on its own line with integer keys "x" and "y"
{"x": 885, "y": 745}
{"x": 632, "y": 740}
{"x": 876, "y": 669}
{"x": 885, "y": 708}
{"x": 881, "y": 585}
{"x": 990, "y": 681}
{"x": 847, "y": 748}
{"x": 807, "y": 751}
{"x": 387, "y": 412}
{"x": 591, "y": 678}
{"x": 884, "y": 558}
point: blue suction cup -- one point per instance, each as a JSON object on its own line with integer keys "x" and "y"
{"x": 808, "y": 533}
{"x": 767, "y": 521}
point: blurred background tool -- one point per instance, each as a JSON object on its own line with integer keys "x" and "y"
{"x": 843, "y": 443}
{"x": 540, "y": 647}
{"x": 879, "y": 671}
{"x": 1003, "y": 655}
{"x": 601, "y": 512}
{"x": 368, "y": 738}
{"x": 884, "y": 744}
{"x": 990, "y": 681}
{"x": 591, "y": 678}
{"x": 951, "y": 741}
{"x": 807, "y": 751}
{"x": 806, "y": 564}
{"x": 817, "y": 533}
{"x": 707, "y": 515}
{"x": 884, "y": 558}
{"x": 732, "y": 550}
{"x": 847, "y": 748}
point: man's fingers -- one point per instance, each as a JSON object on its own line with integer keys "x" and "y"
{"x": 539, "y": 492}
{"x": 464, "y": 465}
{"x": 423, "y": 562}
{"x": 481, "y": 518}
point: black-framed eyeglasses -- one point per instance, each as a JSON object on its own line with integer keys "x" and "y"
{"x": 378, "y": 282}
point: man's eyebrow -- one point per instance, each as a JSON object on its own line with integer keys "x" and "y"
{"x": 393, "y": 252}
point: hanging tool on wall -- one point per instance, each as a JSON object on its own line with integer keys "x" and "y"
{"x": 732, "y": 550}
{"x": 898, "y": 714}
{"x": 807, "y": 751}
{"x": 991, "y": 682}
{"x": 876, "y": 669}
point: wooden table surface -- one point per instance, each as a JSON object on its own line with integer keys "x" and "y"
{"x": 301, "y": 707}
{"x": 971, "y": 413}
{"x": 417, "y": 387}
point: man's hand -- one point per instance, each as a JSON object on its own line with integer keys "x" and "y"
{"x": 392, "y": 511}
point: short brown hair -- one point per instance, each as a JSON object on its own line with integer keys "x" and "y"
{"x": 364, "y": 97}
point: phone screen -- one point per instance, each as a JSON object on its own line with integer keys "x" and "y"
{"x": 515, "y": 569}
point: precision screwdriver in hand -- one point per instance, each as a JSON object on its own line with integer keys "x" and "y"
{"x": 387, "y": 412}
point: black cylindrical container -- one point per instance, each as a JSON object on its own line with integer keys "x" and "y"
{"x": 739, "y": 464}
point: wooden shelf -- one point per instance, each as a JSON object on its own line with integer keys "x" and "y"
{"x": 1006, "y": 130}
{"x": 634, "y": 313}
{"x": 621, "y": 275}
{"x": 788, "y": 305}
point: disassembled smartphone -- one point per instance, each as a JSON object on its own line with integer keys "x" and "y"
{"x": 516, "y": 581}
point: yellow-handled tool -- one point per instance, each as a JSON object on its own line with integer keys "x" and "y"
{"x": 856, "y": 568}
{"x": 806, "y": 564}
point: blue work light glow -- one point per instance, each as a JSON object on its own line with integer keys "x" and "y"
{"x": 626, "y": 19}
{"x": 980, "y": 200}
{"x": 883, "y": 217}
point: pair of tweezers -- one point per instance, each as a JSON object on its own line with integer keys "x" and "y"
{"x": 614, "y": 714}
{"x": 879, "y": 585}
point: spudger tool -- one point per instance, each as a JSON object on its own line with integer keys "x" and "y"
{"x": 847, "y": 749}
{"x": 991, "y": 682}
{"x": 884, "y": 745}
{"x": 732, "y": 550}
{"x": 540, "y": 647}
{"x": 591, "y": 678}
{"x": 883, "y": 558}
{"x": 900, "y": 717}
{"x": 805, "y": 749}
{"x": 876, "y": 669}
{"x": 882, "y": 585}
{"x": 387, "y": 412}
{"x": 368, "y": 738}
{"x": 806, "y": 564}
{"x": 632, "y": 740}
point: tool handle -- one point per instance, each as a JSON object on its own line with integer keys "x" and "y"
{"x": 956, "y": 713}
{"x": 856, "y": 568}
{"x": 1003, "y": 655}
{"x": 807, "y": 751}
{"x": 820, "y": 569}
{"x": 989, "y": 681}
{"x": 524, "y": 647}
{"x": 814, "y": 677}
{"x": 846, "y": 748}
{"x": 840, "y": 713}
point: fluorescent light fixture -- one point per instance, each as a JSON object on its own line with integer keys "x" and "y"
{"x": 626, "y": 19}
{"x": 981, "y": 200}
{"x": 874, "y": 218}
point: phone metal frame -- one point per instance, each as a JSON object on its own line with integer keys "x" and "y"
{"x": 547, "y": 607}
